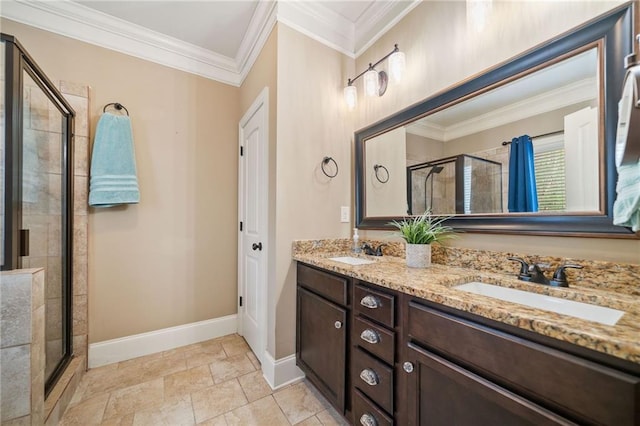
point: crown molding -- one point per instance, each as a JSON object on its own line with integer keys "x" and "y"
{"x": 320, "y": 23}
{"x": 313, "y": 19}
{"x": 377, "y": 20}
{"x": 580, "y": 91}
{"x": 82, "y": 23}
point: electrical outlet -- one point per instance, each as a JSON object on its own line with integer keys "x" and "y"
{"x": 344, "y": 214}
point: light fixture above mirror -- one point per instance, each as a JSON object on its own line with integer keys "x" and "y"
{"x": 375, "y": 82}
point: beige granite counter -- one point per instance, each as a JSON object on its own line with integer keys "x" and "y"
{"x": 435, "y": 284}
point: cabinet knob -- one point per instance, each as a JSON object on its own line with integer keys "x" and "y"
{"x": 370, "y": 302}
{"x": 368, "y": 420}
{"x": 337, "y": 324}
{"x": 370, "y": 336}
{"x": 408, "y": 367}
{"x": 369, "y": 377}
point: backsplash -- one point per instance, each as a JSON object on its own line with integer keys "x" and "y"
{"x": 620, "y": 277}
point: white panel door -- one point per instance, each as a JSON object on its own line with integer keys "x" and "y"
{"x": 252, "y": 210}
{"x": 582, "y": 160}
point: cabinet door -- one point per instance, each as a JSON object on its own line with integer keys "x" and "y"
{"x": 442, "y": 393}
{"x": 321, "y": 345}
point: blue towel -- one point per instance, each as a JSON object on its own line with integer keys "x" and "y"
{"x": 626, "y": 208}
{"x": 113, "y": 163}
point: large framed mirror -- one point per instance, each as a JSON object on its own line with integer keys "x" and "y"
{"x": 525, "y": 147}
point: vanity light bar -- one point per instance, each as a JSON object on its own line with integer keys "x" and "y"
{"x": 375, "y": 82}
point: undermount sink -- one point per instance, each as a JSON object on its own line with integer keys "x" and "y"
{"x": 354, "y": 261}
{"x": 602, "y": 315}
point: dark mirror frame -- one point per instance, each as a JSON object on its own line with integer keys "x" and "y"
{"x": 615, "y": 29}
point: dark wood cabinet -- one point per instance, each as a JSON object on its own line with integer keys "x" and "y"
{"x": 388, "y": 358}
{"x": 442, "y": 393}
{"x": 322, "y": 336}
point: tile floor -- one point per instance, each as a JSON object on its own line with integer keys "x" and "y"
{"x": 217, "y": 382}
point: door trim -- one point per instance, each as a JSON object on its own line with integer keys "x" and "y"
{"x": 261, "y": 101}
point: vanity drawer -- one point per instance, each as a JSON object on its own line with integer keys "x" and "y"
{"x": 375, "y": 305}
{"x": 375, "y": 339}
{"x": 332, "y": 287}
{"x": 364, "y": 411}
{"x": 573, "y": 386}
{"x": 374, "y": 378}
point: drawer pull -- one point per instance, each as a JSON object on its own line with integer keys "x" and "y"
{"x": 370, "y": 302}
{"x": 368, "y": 420}
{"x": 369, "y": 377}
{"x": 337, "y": 324}
{"x": 408, "y": 367}
{"x": 370, "y": 336}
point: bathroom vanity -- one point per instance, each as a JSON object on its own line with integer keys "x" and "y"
{"x": 387, "y": 344}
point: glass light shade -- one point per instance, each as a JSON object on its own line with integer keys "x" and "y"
{"x": 397, "y": 65}
{"x": 371, "y": 83}
{"x": 351, "y": 97}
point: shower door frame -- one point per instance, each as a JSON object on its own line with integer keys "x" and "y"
{"x": 17, "y": 61}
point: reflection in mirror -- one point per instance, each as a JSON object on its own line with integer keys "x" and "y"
{"x": 461, "y": 159}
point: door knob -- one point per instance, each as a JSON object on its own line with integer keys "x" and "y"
{"x": 257, "y": 246}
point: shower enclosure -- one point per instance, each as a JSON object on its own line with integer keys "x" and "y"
{"x": 455, "y": 185}
{"x": 36, "y": 168}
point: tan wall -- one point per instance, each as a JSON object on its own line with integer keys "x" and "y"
{"x": 312, "y": 123}
{"x": 441, "y": 52}
{"x": 170, "y": 260}
{"x": 264, "y": 74}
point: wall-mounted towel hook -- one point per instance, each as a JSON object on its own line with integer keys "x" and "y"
{"x": 325, "y": 161}
{"x": 117, "y": 105}
{"x": 376, "y": 169}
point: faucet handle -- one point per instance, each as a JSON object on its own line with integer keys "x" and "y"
{"x": 524, "y": 268}
{"x": 560, "y": 278}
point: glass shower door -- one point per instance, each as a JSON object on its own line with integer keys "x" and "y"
{"x": 44, "y": 215}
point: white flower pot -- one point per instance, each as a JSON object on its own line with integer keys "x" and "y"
{"x": 418, "y": 255}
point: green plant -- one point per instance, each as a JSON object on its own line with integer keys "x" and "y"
{"x": 424, "y": 229}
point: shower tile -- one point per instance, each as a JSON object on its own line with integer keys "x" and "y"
{"x": 53, "y": 282}
{"x": 15, "y": 313}
{"x": 54, "y": 236}
{"x": 70, "y": 88}
{"x": 81, "y": 156}
{"x": 38, "y": 109}
{"x": 80, "y": 275}
{"x": 15, "y": 382}
{"x": 80, "y": 106}
{"x": 80, "y": 236}
{"x": 53, "y": 318}
{"x": 80, "y": 345}
{"x": 80, "y": 314}
{"x": 38, "y": 339}
{"x": 80, "y": 205}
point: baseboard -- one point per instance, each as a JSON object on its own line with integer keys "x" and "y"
{"x": 282, "y": 372}
{"x": 124, "y": 348}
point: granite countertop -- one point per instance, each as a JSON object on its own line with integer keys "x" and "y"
{"x": 435, "y": 284}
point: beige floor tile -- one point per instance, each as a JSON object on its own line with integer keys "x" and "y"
{"x": 255, "y": 386}
{"x": 164, "y": 366}
{"x": 205, "y": 355}
{"x": 330, "y": 417}
{"x": 89, "y": 412}
{"x": 185, "y": 382}
{"x": 299, "y": 402}
{"x": 218, "y": 399}
{"x": 119, "y": 421}
{"x": 216, "y": 421}
{"x": 235, "y": 346}
{"x": 139, "y": 361}
{"x": 133, "y": 398}
{"x": 311, "y": 421}
{"x": 230, "y": 368}
{"x": 264, "y": 411}
{"x": 254, "y": 360}
{"x": 172, "y": 412}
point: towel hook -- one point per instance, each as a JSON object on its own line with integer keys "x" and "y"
{"x": 325, "y": 161}
{"x": 376, "y": 168}
{"x": 117, "y": 105}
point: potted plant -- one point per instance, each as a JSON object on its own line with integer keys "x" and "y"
{"x": 420, "y": 232}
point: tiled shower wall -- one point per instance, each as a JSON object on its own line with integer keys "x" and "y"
{"x": 41, "y": 215}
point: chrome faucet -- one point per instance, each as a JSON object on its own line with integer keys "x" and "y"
{"x": 533, "y": 273}
{"x": 371, "y": 251}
